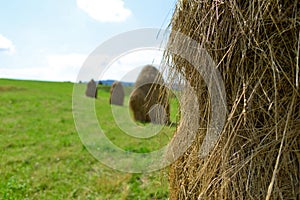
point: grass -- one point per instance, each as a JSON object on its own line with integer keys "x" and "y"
{"x": 42, "y": 156}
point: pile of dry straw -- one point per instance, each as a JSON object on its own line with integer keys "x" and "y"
{"x": 255, "y": 45}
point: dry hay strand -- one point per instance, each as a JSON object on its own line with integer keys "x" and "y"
{"x": 149, "y": 99}
{"x": 255, "y": 45}
{"x": 91, "y": 89}
{"x": 117, "y": 94}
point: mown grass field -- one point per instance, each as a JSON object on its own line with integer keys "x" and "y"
{"x": 42, "y": 157}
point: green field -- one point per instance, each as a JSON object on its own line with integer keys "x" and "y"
{"x": 42, "y": 157}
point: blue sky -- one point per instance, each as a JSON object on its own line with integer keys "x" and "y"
{"x": 50, "y": 39}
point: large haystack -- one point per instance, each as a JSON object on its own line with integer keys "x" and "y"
{"x": 91, "y": 89}
{"x": 117, "y": 94}
{"x": 255, "y": 45}
{"x": 149, "y": 101}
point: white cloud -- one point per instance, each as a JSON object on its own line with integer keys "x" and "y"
{"x": 128, "y": 66}
{"x": 6, "y": 45}
{"x": 66, "y": 67}
{"x": 105, "y": 10}
{"x": 33, "y": 73}
{"x": 59, "y": 68}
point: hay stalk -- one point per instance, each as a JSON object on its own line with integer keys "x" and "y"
{"x": 255, "y": 46}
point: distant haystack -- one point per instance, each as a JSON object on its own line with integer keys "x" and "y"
{"x": 149, "y": 99}
{"x": 91, "y": 89}
{"x": 117, "y": 94}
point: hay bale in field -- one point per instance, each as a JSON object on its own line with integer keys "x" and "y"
{"x": 149, "y": 99}
{"x": 117, "y": 94}
{"x": 91, "y": 89}
{"x": 255, "y": 45}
